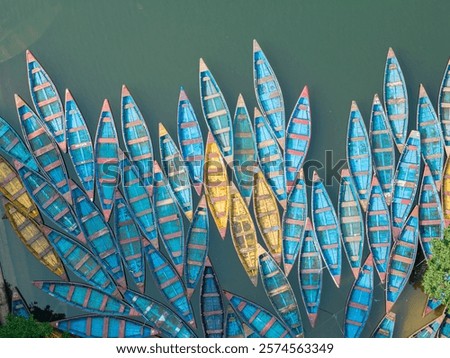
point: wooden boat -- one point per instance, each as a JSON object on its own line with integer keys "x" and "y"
{"x": 79, "y": 144}
{"x": 432, "y": 305}
{"x": 257, "y": 318}
{"x": 211, "y": 304}
{"x": 159, "y": 316}
{"x": 197, "y": 246}
{"x": 19, "y": 306}
{"x": 136, "y": 137}
{"x": 216, "y": 112}
{"x": 233, "y": 325}
{"x": 106, "y": 157}
{"x": 169, "y": 219}
{"x": 191, "y": 141}
{"x": 129, "y": 239}
{"x": 11, "y": 144}
{"x": 445, "y": 194}
{"x": 298, "y": 136}
{"x": 396, "y": 99}
{"x": 293, "y": 222}
{"x": 28, "y": 231}
{"x": 431, "y": 139}
{"x": 176, "y": 172}
{"x": 46, "y": 100}
{"x": 43, "y": 147}
{"x": 243, "y": 234}
{"x": 310, "y": 272}
{"x": 280, "y": 293}
{"x": 385, "y": 329}
{"x": 359, "y": 155}
{"x": 270, "y": 158}
{"x": 406, "y": 181}
{"x": 216, "y": 185}
{"x": 444, "y": 107}
{"x": 245, "y": 156}
{"x": 268, "y": 93}
{"x": 359, "y": 301}
{"x": 402, "y": 259}
{"x": 81, "y": 261}
{"x": 326, "y": 224}
{"x": 378, "y": 228}
{"x": 267, "y": 217}
{"x": 430, "y": 330}
{"x": 351, "y": 221}
{"x": 444, "y": 331}
{"x": 382, "y": 146}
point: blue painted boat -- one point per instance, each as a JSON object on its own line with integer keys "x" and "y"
{"x": 293, "y": 222}
{"x": 431, "y": 139}
{"x": 106, "y": 158}
{"x": 402, "y": 259}
{"x": 128, "y": 237}
{"x": 233, "y": 325}
{"x": 245, "y": 156}
{"x": 396, "y": 99}
{"x": 382, "y": 146}
{"x": 310, "y": 272}
{"x": 270, "y": 158}
{"x": 169, "y": 219}
{"x": 430, "y": 330}
{"x": 136, "y": 137}
{"x": 444, "y": 331}
{"x": 257, "y": 318}
{"x": 43, "y": 147}
{"x": 406, "y": 181}
{"x": 444, "y": 107}
{"x": 378, "y": 227}
{"x": 191, "y": 141}
{"x": 197, "y": 246}
{"x": 176, "y": 171}
{"x": 268, "y": 93}
{"x": 298, "y": 136}
{"x": 79, "y": 144}
{"x": 351, "y": 221}
{"x": 359, "y": 155}
{"x": 81, "y": 262}
{"x": 216, "y": 112}
{"x": 280, "y": 293}
{"x": 432, "y": 304}
{"x": 385, "y": 328}
{"x": 326, "y": 224}
{"x": 19, "y": 306}
{"x": 46, "y": 100}
{"x": 359, "y": 301}
{"x": 159, "y": 316}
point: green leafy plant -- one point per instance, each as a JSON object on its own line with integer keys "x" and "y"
{"x": 19, "y": 327}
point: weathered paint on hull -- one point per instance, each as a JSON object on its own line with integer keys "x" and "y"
{"x": 386, "y": 327}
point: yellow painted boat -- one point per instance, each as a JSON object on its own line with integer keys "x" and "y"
{"x": 243, "y": 234}
{"x": 446, "y": 192}
{"x": 267, "y": 216}
{"x": 216, "y": 185}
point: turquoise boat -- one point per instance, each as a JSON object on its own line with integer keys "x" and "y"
{"x": 191, "y": 141}
{"x": 382, "y": 146}
{"x": 444, "y": 331}
{"x": 298, "y": 137}
{"x": 378, "y": 228}
{"x": 169, "y": 219}
{"x": 19, "y": 306}
{"x": 326, "y": 225}
{"x": 432, "y": 304}
{"x": 385, "y": 328}
{"x": 351, "y": 221}
{"x": 268, "y": 93}
{"x": 233, "y": 325}
{"x": 216, "y": 112}
{"x": 176, "y": 172}
{"x": 43, "y": 147}
{"x": 310, "y": 272}
{"x": 406, "y": 181}
{"x": 197, "y": 246}
{"x": 395, "y": 98}
{"x": 293, "y": 222}
{"x": 270, "y": 158}
{"x": 245, "y": 152}
{"x": 46, "y": 100}
{"x": 106, "y": 158}
{"x": 128, "y": 238}
{"x": 136, "y": 137}
{"x": 402, "y": 259}
{"x": 79, "y": 145}
{"x": 159, "y": 316}
{"x": 444, "y": 107}
{"x": 430, "y": 330}
{"x": 359, "y": 155}
{"x": 359, "y": 301}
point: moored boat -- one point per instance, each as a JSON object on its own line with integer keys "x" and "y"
{"x": 430, "y": 330}
{"x": 432, "y": 304}
{"x": 233, "y": 325}
{"x": 444, "y": 331}
{"x": 444, "y": 107}
{"x": 385, "y": 328}
{"x": 19, "y": 306}
{"x": 445, "y": 192}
